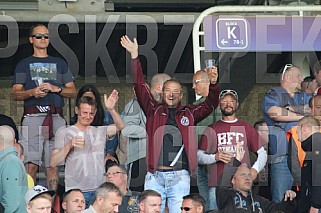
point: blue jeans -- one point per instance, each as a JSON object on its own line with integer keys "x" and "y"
{"x": 202, "y": 184}
{"x": 212, "y": 198}
{"x": 171, "y": 185}
{"x": 281, "y": 179}
{"x": 89, "y": 198}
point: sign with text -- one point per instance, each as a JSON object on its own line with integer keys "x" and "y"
{"x": 231, "y": 33}
{"x": 262, "y": 33}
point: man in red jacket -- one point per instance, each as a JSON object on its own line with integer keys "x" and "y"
{"x": 171, "y": 140}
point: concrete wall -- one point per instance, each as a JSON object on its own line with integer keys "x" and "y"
{"x": 249, "y": 110}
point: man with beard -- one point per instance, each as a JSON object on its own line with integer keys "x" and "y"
{"x": 228, "y": 133}
{"x": 283, "y": 107}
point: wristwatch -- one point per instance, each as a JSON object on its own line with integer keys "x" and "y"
{"x": 60, "y": 90}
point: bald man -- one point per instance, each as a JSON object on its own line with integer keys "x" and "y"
{"x": 201, "y": 84}
{"x": 134, "y": 134}
{"x": 13, "y": 185}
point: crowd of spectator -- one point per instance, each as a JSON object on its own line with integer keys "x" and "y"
{"x": 165, "y": 143}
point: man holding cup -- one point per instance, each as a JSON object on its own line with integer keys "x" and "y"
{"x": 81, "y": 146}
{"x": 230, "y": 133}
{"x": 201, "y": 83}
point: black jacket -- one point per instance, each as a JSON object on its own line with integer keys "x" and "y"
{"x": 230, "y": 200}
{"x": 311, "y": 170}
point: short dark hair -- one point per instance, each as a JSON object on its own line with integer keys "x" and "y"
{"x": 259, "y": 123}
{"x": 148, "y": 193}
{"x": 33, "y": 27}
{"x": 311, "y": 99}
{"x": 64, "y": 197}
{"x": 308, "y": 78}
{"x": 86, "y": 100}
{"x": 173, "y": 81}
{"x": 99, "y": 119}
{"x": 196, "y": 198}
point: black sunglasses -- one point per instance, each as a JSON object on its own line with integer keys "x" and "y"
{"x": 40, "y": 36}
{"x": 187, "y": 209}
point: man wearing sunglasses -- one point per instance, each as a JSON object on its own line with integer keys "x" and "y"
{"x": 283, "y": 107}
{"x": 42, "y": 82}
{"x": 218, "y": 144}
{"x": 193, "y": 203}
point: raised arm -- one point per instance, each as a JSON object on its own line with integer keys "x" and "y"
{"x": 130, "y": 46}
{"x": 143, "y": 94}
{"x": 211, "y": 101}
{"x": 110, "y": 103}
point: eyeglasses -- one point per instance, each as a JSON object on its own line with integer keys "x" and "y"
{"x": 113, "y": 173}
{"x": 286, "y": 67}
{"x": 228, "y": 91}
{"x": 187, "y": 209}
{"x": 40, "y": 36}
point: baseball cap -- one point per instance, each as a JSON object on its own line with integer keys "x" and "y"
{"x": 228, "y": 92}
{"x": 36, "y": 191}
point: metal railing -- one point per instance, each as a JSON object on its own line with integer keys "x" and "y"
{"x": 198, "y": 30}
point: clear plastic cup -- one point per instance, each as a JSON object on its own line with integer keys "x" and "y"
{"x": 209, "y": 63}
{"x": 81, "y": 137}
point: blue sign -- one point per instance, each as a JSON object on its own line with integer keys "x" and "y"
{"x": 231, "y": 33}
{"x": 262, "y": 33}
